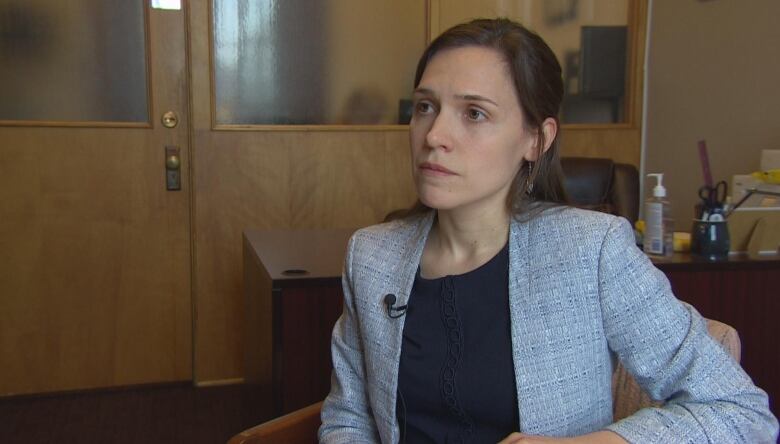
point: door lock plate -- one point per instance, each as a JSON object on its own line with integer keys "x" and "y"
{"x": 172, "y": 168}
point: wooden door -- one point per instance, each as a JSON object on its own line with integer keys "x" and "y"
{"x": 94, "y": 251}
{"x": 273, "y": 177}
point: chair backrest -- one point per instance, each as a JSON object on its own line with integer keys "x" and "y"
{"x": 602, "y": 185}
{"x": 628, "y": 396}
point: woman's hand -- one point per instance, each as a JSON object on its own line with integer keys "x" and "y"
{"x": 604, "y": 436}
{"x": 522, "y": 438}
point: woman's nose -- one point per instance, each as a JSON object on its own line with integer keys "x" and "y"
{"x": 440, "y": 133}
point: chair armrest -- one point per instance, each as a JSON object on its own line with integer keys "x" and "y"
{"x": 298, "y": 427}
{"x": 727, "y": 336}
{"x": 628, "y": 396}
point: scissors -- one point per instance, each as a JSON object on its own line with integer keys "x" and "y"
{"x": 713, "y": 197}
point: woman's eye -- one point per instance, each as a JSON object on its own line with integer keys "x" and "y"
{"x": 423, "y": 107}
{"x": 475, "y": 114}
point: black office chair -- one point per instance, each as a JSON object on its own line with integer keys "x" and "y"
{"x": 602, "y": 185}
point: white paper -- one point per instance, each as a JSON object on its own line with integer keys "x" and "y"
{"x": 770, "y": 160}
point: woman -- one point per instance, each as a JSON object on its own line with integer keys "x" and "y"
{"x": 493, "y": 308}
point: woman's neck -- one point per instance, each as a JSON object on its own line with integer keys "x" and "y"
{"x": 459, "y": 243}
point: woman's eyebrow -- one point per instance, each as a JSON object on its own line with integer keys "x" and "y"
{"x": 475, "y": 97}
{"x": 423, "y": 91}
{"x": 469, "y": 97}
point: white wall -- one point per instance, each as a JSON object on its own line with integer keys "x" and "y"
{"x": 714, "y": 74}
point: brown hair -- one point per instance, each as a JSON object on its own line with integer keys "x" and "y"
{"x": 539, "y": 85}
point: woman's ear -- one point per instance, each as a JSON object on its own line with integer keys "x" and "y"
{"x": 548, "y": 131}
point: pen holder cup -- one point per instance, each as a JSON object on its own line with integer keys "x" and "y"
{"x": 710, "y": 239}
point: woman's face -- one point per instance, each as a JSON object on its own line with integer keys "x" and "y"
{"x": 467, "y": 133}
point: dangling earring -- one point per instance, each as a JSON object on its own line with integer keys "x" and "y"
{"x": 529, "y": 185}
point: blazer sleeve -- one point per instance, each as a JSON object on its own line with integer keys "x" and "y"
{"x": 665, "y": 345}
{"x": 346, "y": 416}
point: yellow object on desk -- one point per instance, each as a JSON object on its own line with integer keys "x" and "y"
{"x": 639, "y": 226}
{"x": 769, "y": 176}
{"x": 682, "y": 242}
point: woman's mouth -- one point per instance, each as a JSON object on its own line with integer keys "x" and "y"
{"x": 434, "y": 169}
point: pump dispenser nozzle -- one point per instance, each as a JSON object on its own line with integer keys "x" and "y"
{"x": 658, "y": 190}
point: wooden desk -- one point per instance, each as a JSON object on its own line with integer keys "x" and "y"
{"x": 290, "y": 315}
{"x": 289, "y": 318}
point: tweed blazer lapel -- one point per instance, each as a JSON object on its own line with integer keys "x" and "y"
{"x": 409, "y": 261}
{"x": 403, "y": 268}
{"x": 519, "y": 293}
{"x": 535, "y": 312}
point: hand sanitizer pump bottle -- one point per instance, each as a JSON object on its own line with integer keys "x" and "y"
{"x": 659, "y": 226}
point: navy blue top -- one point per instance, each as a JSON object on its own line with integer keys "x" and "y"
{"x": 456, "y": 376}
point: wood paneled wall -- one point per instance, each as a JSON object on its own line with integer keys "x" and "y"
{"x": 309, "y": 178}
{"x": 278, "y": 180}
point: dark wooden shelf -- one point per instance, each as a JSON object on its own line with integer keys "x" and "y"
{"x": 290, "y": 316}
{"x": 684, "y": 261}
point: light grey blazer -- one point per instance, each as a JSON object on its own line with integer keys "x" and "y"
{"x": 580, "y": 295}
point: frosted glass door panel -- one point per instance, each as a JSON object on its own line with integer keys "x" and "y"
{"x": 73, "y": 61}
{"x": 323, "y": 62}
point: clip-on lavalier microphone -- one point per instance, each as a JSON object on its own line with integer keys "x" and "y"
{"x": 390, "y": 302}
